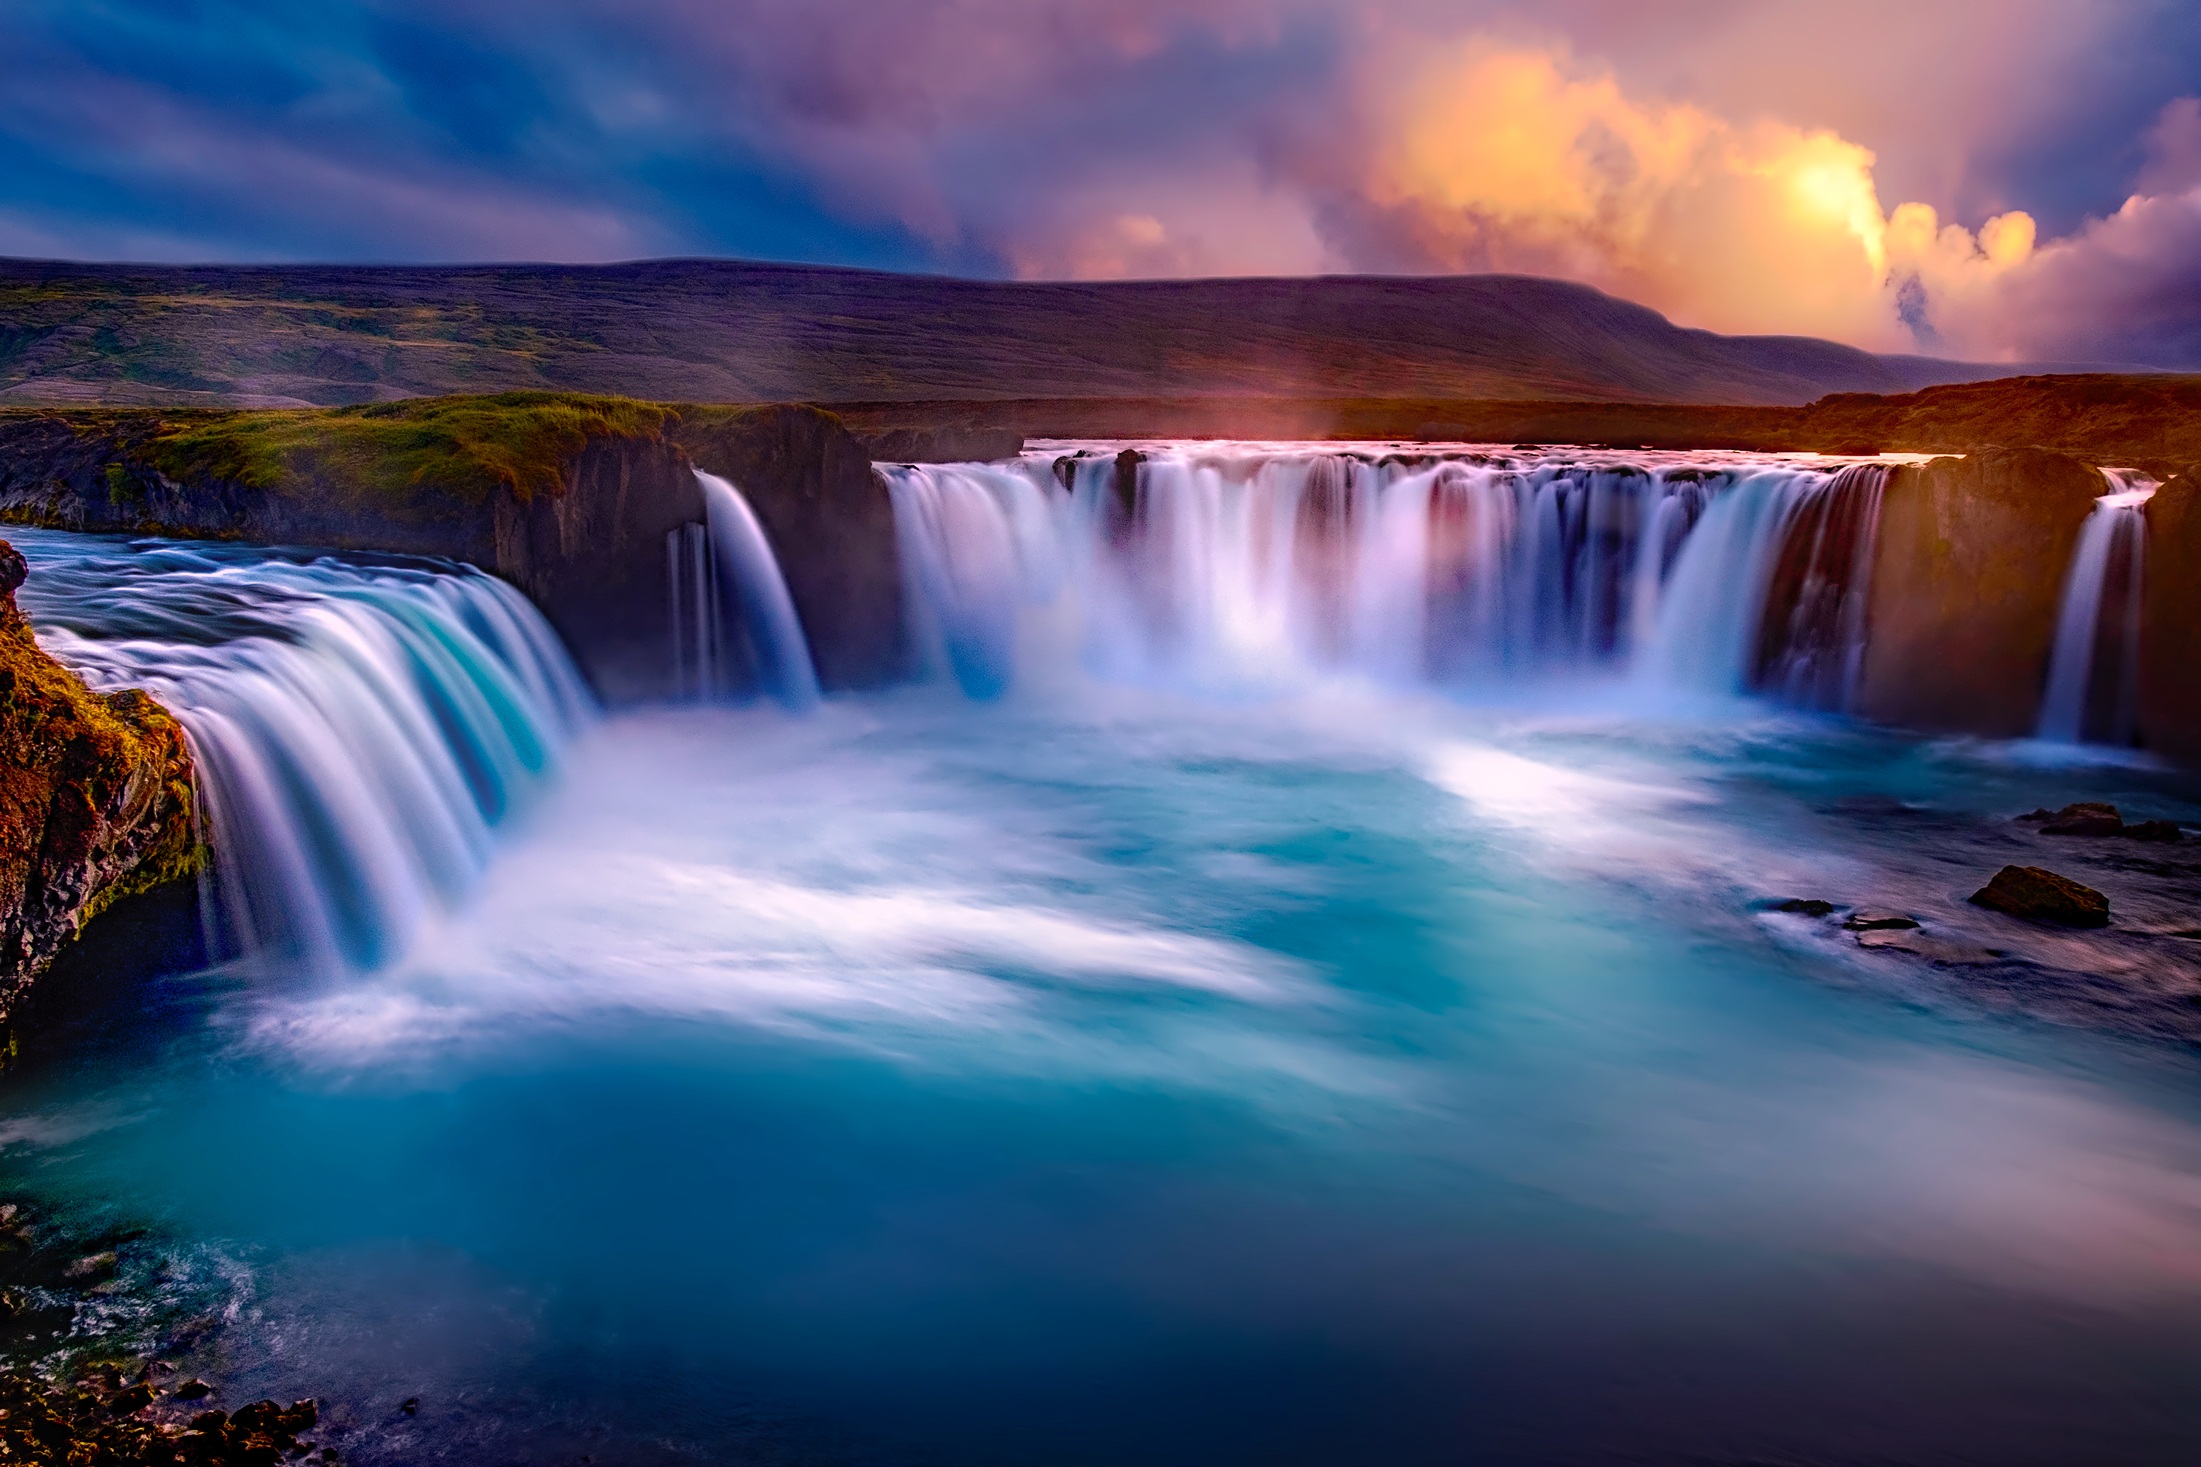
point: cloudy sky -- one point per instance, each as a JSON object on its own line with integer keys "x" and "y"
{"x": 2006, "y": 179}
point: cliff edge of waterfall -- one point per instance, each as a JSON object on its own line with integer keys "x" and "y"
{"x": 1969, "y": 565}
{"x": 2170, "y": 621}
{"x": 568, "y": 497}
{"x": 95, "y": 799}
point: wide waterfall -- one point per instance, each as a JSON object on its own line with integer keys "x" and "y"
{"x": 1249, "y": 566}
{"x": 2093, "y": 693}
{"x": 360, "y": 725}
{"x": 726, "y": 566}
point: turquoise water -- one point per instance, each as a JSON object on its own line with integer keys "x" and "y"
{"x": 1100, "y": 1075}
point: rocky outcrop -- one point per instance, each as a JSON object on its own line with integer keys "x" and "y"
{"x": 2170, "y": 622}
{"x": 1968, "y": 568}
{"x": 95, "y": 798}
{"x": 831, "y": 524}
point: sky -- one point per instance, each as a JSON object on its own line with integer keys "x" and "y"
{"x": 2006, "y": 180}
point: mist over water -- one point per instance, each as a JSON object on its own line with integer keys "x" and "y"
{"x": 1233, "y": 1012}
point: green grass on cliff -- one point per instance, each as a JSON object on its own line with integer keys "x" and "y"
{"x": 465, "y": 447}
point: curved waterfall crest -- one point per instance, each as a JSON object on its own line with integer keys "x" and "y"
{"x": 734, "y": 624}
{"x": 360, "y": 725}
{"x": 1239, "y": 566}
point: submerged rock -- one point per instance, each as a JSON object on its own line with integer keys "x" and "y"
{"x": 1923, "y": 945}
{"x": 1871, "y": 919}
{"x": 2039, "y": 895}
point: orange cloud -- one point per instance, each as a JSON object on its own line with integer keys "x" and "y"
{"x": 1511, "y": 158}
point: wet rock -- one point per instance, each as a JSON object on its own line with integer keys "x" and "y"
{"x": 194, "y": 1390}
{"x": 2165, "y": 831}
{"x": 2084, "y": 819}
{"x": 411, "y": 1405}
{"x": 2039, "y": 895}
{"x": 1872, "y": 919}
{"x": 95, "y": 1266}
{"x": 1806, "y": 906}
{"x": 1923, "y": 945}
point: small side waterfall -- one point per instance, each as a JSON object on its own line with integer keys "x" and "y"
{"x": 727, "y": 565}
{"x": 1250, "y": 566}
{"x": 2093, "y": 692}
{"x": 360, "y": 726}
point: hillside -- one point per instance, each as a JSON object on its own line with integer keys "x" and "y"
{"x": 727, "y": 331}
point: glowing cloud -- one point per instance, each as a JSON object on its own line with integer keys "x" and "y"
{"x": 1508, "y": 158}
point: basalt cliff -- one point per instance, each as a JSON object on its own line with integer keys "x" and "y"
{"x": 569, "y": 498}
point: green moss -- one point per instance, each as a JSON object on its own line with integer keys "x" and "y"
{"x": 462, "y": 447}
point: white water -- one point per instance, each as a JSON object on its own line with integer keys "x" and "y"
{"x": 739, "y": 562}
{"x": 2092, "y": 698}
{"x": 1244, "y": 567}
{"x": 1113, "y": 1075}
{"x": 359, "y": 728}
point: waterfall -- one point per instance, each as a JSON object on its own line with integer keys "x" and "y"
{"x": 2093, "y": 691}
{"x": 1248, "y": 567}
{"x": 359, "y": 725}
{"x": 699, "y": 651}
{"x": 1811, "y": 644}
{"x": 762, "y": 642}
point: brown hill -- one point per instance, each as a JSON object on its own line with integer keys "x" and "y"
{"x": 728, "y": 331}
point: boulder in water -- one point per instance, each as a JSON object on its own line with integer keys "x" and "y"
{"x": 2088, "y": 818}
{"x": 2039, "y": 895}
{"x": 2165, "y": 831}
{"x": 1805, "y": 906}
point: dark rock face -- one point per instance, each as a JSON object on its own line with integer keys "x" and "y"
{"x": 95, "y": 798}
{"x": 2170, "y": 622}
{"x": 831, "y": 524}
{"x": 593, "y": 559}
{"x": 1968, "y": 570}
{"x": 2040, "y": 895}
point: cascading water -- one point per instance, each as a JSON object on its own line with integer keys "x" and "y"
{"x": 2093, "y": 693}
{"x": 1239, "y": 566}
{"x": 359, "y": 725}
{"x": 1811, "y": 638}
{"x": 762, "y": 643}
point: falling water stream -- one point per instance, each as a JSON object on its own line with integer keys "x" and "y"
{"x": 2093, "y": 692}
{"x": 1293, "y": 982}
